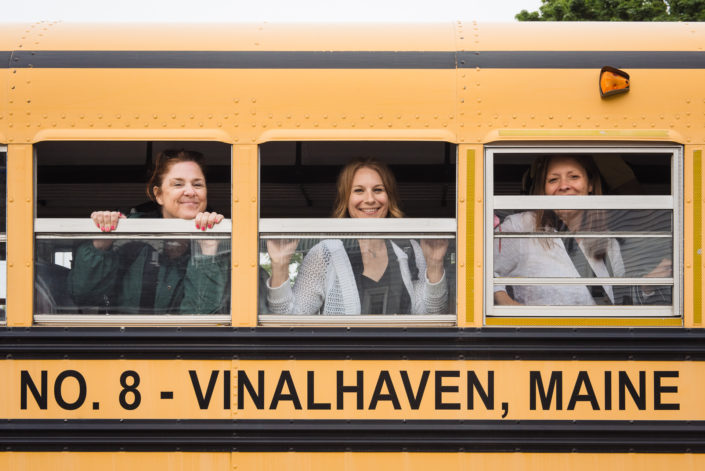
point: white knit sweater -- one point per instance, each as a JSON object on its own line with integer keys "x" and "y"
{"x": 326, "y": 279}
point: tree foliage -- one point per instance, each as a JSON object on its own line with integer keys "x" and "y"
{"x": 616, "y": 10}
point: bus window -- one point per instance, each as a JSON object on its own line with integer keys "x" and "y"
{"x": 3, "y": 236}
{"x": 583, "y": 232}
{"x": 151, "y": 259}
{"x": 383, "y": 253}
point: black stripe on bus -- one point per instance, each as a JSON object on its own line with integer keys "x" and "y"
{"x": 358, "y": 59}
{"x": 599, "y": 436}
{"x": 234, "y": 59}
{"x": 5, "y": 58}
{"x": 615, "y": 344}
{"x": 582, "y": 59}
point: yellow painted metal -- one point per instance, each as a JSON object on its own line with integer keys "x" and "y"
{"x": 479, "y": 233}
{"x": 470, "y": 36}
{"x": 244, "y": 238}
{"x": 589, "y": 133}
{"x": 241, "y": 106}
{"x": 132, "y": 461}
{"x": 470, "y": 223}
{"x": 463, "y": 461}
{"x": 585, "y": 321}
{"x": 524, "y": 103}
{"x": 20, "y": 237}
{"x": 448, "y": 383}
{"x": 696, "y": 243}
{"x": 465, "y": 252}
{"x": 349, "y": 461}
{"x": 242, "y": 37}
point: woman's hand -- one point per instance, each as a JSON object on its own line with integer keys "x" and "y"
{"x": 502, "y": 298}
{"x": 434, "y": 251}
{"x": 106, "y": 221}
{"x": 663, "y": 270}
{"x": 280, "y": 252}
{"x": 205, "y": 221}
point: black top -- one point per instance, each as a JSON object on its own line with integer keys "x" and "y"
{"x": 388, "y": 295}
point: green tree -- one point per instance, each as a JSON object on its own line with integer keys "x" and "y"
{"x": 616, "y": 10}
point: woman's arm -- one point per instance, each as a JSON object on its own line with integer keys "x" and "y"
{"x": 429, "y": 297}
{"x": 94, "y": 275}
{"x": 308, "y": 293}
{"x": 206, "y": 283}
{"x": 280, "y": 252}
{"x": 502, "y": 298}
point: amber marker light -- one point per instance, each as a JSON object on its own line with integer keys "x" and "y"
{"x": 613, "y": 81}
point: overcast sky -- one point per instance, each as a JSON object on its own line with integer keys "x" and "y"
{"x": 263, "y": 10}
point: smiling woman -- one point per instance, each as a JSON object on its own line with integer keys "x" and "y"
{"x": 180, "y": 284}
{"x": 363, "y": 276}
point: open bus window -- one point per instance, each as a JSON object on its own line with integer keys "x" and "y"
{"x": 580, "y": 231}
{"x": 3, "y": 234}
{"x": 315, "y": 267}
{"x": 153, "y": 262}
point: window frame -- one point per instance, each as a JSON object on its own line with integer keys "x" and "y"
{"x": 134, "y": 229}
{"x": 321, "y": 228}
{"x": 672, "y": 202}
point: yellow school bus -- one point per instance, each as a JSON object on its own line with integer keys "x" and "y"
{"x": 466, "y": 115}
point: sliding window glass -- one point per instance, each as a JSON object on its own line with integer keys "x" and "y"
{"x": 357, "y": 233}
{"x": 118, "y": 241}
{"x": 581, "y": 231}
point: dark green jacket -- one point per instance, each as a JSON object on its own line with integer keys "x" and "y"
{"x": 136, "y": 278}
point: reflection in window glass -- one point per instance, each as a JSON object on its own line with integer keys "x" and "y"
{"x": 132, "y": 276}
{"x": 353, "y": 277}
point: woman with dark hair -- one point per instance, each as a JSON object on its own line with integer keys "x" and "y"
{"x": 363, "y": 276}
{"x": 554, "y": 257}
{"x": 135, "y": 277}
